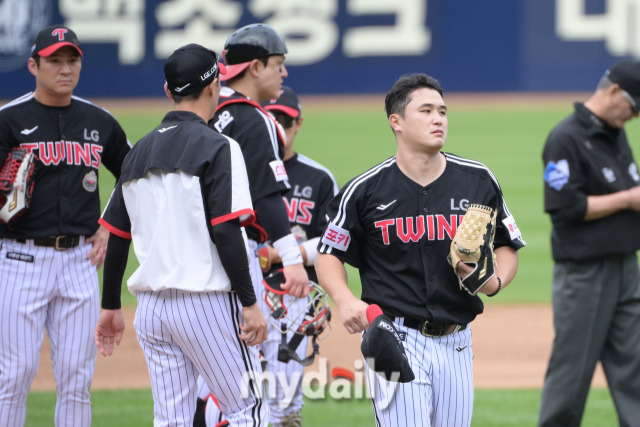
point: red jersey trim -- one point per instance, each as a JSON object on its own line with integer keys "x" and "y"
{"x": 239, "y": 100}
{"x": 114, "y": 230}
{"x": 234, "y": 215}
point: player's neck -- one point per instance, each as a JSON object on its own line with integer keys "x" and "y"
{"x": 245, "y": 87}
{"x": 423, "y": 169}
{"x": 51, "y": 100}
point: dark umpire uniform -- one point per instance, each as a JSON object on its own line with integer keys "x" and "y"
{"x": 596, "y": 292}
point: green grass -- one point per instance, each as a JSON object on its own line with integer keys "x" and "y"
{"x": 349, "y": 141}
{"x": 493, "y": 408}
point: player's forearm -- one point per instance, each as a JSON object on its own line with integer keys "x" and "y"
{"x": 607, "y": 204}
{"x": 115, "y": 263}
{"x": 507, "y": 264}
{"x": 233, "y": 256}
{"x": 332, "y": 276}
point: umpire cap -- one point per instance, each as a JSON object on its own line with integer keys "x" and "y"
{"x": 382, "y": 345}
{"x": 626, "y": 74}
{"x": 191, "y": 68}
{"x": 251, "y": 42}
{"x": 52, "y": 38}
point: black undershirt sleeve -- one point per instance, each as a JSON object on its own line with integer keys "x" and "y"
{"x": 272, "y": 216}
{"x": 115, "y": 262}
{"x": 233, "y": 255}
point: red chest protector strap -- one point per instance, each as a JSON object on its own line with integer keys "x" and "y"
{"x": 237, "y": 99}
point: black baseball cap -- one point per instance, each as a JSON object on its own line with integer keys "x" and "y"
{"x": 191, "y": 68}
{"x": 287, "y": 103}
{"x": 382, "y": 348}
{"x": 52, "y": 38}
{"x": 626, "y": 74}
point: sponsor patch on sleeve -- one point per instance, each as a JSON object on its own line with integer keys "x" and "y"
{"x": 556, "y": 174}
{"x": 278, "y": 170}
{"x": 510, "y": 223}
{"x": 336, "y": 237}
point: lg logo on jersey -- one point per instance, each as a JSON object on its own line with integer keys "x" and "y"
{"x": 94, "y": 136}
{"x": 463, "y": 205}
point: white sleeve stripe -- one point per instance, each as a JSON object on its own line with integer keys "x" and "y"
{"x": 24, "y": 98}
{"x": 273, "y": 132}
{"x": 312, "y": 163}
{"x": 341, "y": 217}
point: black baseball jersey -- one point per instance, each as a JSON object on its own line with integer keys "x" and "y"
{"x": 262, "y": 144}
{"x": 398, "y": 234}
{"x": 70, "y": 142}
{"x": 179, "y": 180}
{"x": 312, "y": 187}
{"x": 584, "y": 156}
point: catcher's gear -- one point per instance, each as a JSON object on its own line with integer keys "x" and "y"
{"x": 382, "y": 348}
{"x": 16, "y": 184}
{"x": 473, "y": 245}
{"x": 311, "y": 320}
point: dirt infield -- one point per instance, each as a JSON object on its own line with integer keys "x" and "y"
{"x": 511, "y": 345}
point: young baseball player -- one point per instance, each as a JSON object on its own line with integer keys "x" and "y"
{"x": 183, "y": 198}
{"x": 255, "y": 56}
{"x": 49, "y": 255}
{"x": 312, "y": 187}
{"x": 395, "y": 223}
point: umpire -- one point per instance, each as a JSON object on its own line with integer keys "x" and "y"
{"x": 592, "y": 195}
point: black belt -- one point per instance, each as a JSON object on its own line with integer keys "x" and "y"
{"x": 431, "y": 329}
{"x": 59, "y": 242}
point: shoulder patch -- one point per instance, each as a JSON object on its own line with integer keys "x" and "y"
{"x": 510, "y": 223}
{"x": 278, "y": 170}
{"x": 336, "y": 237}
{"x": 556, "y": 174}
{"x": 223, "y": 120}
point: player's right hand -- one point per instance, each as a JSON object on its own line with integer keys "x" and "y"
{"x": 254, "y": 329}
{"x": 353, "y": 313}
{"x": 297, "y": 280}
{"x": 109, "y": 329}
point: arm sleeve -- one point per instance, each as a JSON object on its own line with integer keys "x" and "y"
{"x": 115, "y": 262}
{"x": 234, "y": 259}
{"x": 116, "y": 149}
{"x": 272, "y": 216}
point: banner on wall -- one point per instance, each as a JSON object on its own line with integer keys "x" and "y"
{"x": 337, "y": 46}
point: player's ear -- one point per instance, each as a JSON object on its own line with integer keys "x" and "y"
{"x": 255, "y": 67}
{"x": 168, "y": 92}
{"x": 32, "y": 65}
{"x": 395, "y": 122}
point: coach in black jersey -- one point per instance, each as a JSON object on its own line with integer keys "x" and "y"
{"x": 49, "y": 257}
{"x": 592, "y": 194}
{"x": 183, "y": 198}
{"x": 395, "y": 223}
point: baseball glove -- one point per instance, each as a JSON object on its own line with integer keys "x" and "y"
{"x": 473, "y": 245}
{"x": 16, "y": 184}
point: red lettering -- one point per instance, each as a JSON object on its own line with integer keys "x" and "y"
{"x": 95, "y": 151}
{"x": 446, "y": 227}
{"x": 384, "y": 225}
{"x": 51, "y": 152}
{"x": 305, "y": 208}
{"x": 431, "y": 233}
{"x": 291, "y": 208}
{"x": 410, "y": 234}
{"x": 81, "y": 153}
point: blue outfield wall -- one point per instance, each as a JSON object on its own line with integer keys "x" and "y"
{"x": 337, "y": 46}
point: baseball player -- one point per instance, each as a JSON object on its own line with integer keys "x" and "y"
{"x": 49, "y": 256}
{"x": 183, "y": 198}
{"x": 312, "y": 187}
{"x": 395, "y": 223}
{"x": 254, "y": 56}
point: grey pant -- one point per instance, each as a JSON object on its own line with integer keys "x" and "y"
{"x": 596, "y": 308}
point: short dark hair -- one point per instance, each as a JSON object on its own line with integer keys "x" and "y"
{"x": 398, "y": 96}
{"x": 192, "y": 96}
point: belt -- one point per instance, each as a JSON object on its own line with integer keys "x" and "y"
{"x": 59, "y": 242}
{"x": 430, "y": 329}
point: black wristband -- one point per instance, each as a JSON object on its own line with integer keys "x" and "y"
{"x": 497, "y": 290}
